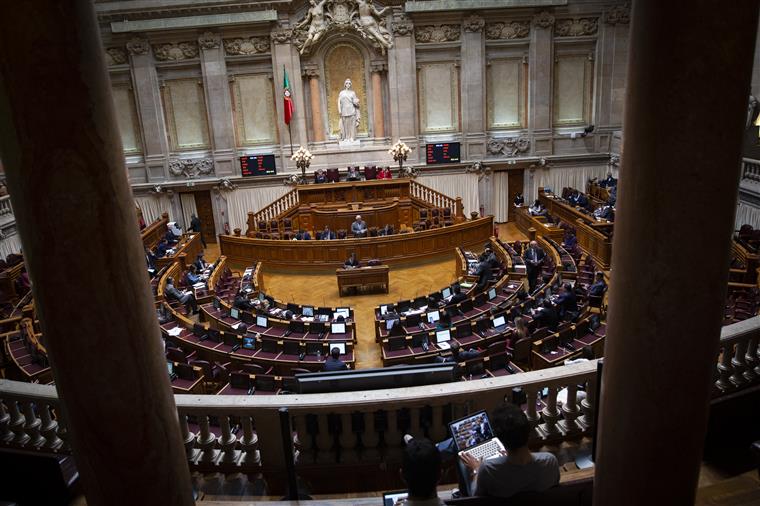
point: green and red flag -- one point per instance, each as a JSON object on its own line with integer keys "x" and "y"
{"x": 286, "y": 96}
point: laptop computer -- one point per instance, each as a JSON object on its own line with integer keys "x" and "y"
{"x": 473, "y": 435}
{"x": 442, "y": 338}
{"x": 394, "y": 498}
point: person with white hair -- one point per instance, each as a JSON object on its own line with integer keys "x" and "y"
{"x": 359, "y": 227}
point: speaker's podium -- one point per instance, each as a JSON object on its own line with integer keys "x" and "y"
{"x": 362, "y": 278}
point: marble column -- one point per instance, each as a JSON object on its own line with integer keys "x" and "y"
{"x": 473, "y": 88}
{"x": 664, "y": 321}
{"x": 65, "y": 173}
{"x": 378, "y": 122}
{"x": 217, "y": 87}
{"x": 402, "y": 84}
{"x": 285, "y": 54}
{"x": 540, "y": 67}
{"x": 311, "y": 72}
{"x": 149, "y": 109}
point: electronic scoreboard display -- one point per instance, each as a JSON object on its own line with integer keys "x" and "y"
{"x": 445, "y": 152}
{"x": 257, "y": 165}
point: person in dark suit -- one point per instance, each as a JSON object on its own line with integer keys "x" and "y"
{"x": 608, "y": 182}
{"x": 195, "y": 226}
{"x": 519, "y": 200}
{"x": 581, "y": 200}
{"x": 199, "y": 263}
{"x": 484, "y": 274}
{"x": 327, "y": 233}
{"x": 457, "y": 295}
{"x": 461, "y": 355}
{"x": 534, "y": 259}
{"x": 599, "y": 286}
{"x": 546, "y": 316}
{"x": 351, "y": 261}
{"x": 186, "y": 298}
{"x": 320, "y": 177}
{"x": 566, "y": 302}
{"x": 150, "y": 259}
{"x": 305, "y": 235}
{"x": 161, "y": 249}
{"x": 242, "y": 301}
{"x": 537, "y": 209}
{"x": 192, "y": 277}
{"x": 604, "y": 212}
{"x": 333, "y": 362}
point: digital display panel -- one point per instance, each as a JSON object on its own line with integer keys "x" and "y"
{"x": 445, "y": 152}
{"x": 258, "y": 165}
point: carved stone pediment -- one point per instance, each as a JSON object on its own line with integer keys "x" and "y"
{"x": 402, "y": 25}
{"x": 510, "y": 146}
{"x": 543, "y": 19}
{"x": 191, "y": 168}
{"x": 175, "y": 51}
{"x": 473, "y": 23}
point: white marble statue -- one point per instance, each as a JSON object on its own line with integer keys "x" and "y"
{"x": 348, "y": 109}
{"x": 370, "y": 25}
{"x": 315, "y": 18}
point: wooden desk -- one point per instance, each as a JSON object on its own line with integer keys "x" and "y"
{"x": 184, "y": 252}
{"x": 154, "y": 232}
{"x": 362, "y": 277}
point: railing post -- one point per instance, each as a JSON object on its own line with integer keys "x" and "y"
{"x": 49, "y": 428}
{"x": 6, "y": 434}
{"x": 206, "y": 441}
{"x": 753, "y": 363}
{"x": 550, "y": 414}
{"x": 188, "y": 438}
{"x": 739, "y": 364}
{"x": 588, "y": 405}
{"x": 531, "y": 394}
{"x": 228, "y": 442}
{"x": 570, "y": 411}
{"x": 17, "y": 424}
{"x": 725, "y": 368}
{"x": 250, "y": 443}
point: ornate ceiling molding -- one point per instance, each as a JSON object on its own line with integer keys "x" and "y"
{"x": 508, "y": 30}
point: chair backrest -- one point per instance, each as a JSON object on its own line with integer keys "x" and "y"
{"x": 273, "y": 225}
{"x": 253, "y": 369}
{"x": 176, "y": 355}
{"x": 240, "y": 380}
{"x": 291, "y": 347}
{"x": 423, "y": 214}
{"x": 205, "y": 366}
{"x": 342, "y": 233}
{"x": 264, "y": 383}
{"x": 370, "y": 172}
{"x": 262, "y": 226}
{"x": 522, "y": 351}
{"x": 184, "y": 371}
{"x": 333, "y": 175}
{"x": 396, "y": 342}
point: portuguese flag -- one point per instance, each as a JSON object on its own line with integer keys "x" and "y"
{"x": 286, "y": 95}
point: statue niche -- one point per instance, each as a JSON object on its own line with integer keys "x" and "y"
{"x": 359, "y": 15}
{"x": 344, "y": 63}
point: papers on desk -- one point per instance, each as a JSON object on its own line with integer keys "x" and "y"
{"x": 175, "y": 331}
{"x": 466, "y": 284}
{"x": 415, "y": 311}
{"x": 248, "y": 271}
{"x": 199, "y": 286}
{"x": 444, "y": 345}
{"x": 235, "y": 325}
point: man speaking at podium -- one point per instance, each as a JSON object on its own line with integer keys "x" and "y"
{"x": 359, "y": 227}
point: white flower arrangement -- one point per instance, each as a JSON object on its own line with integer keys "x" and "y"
{"x": 399, "y": 151}
{"x": 302, "y": 157}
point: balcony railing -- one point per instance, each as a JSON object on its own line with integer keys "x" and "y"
{"x": 750, "y": 170}
{"x": 233, "y": 433}
{"x": 6, "y": 211}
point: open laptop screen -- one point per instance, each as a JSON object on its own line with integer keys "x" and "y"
{"x": 442, "y": 336}
{"x": 383, "y": 309}
{"x": 499, "y": 321}
{"x": 394, "y": 498}
{"x": 235, "y": 313}
{"x": 307, "y": 311}
{"x": 343, "y": 311}
{"x": 433, "y": 316}
{"x": 446, "y": 293}
{"x": 261, "y": 321}
{"x": 492, "y": 294}
{"x": 340, "y": 346}
{"x": 338, "y": 328}
{"x": 249, "y": 343}
{"x": 471, "y": 430}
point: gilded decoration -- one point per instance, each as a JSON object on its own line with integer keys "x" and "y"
{"x": 175, "y": 51}
{"x": 576, "y": 27}
{"x": 618, "y": 15}
{"x": 249, "y": 46}
{"x": 323, "y": 16}
{"x": 437, "y": 33}
{"x": 511, "y": 30}
{"x": 344, "y": 61}
{"x": 116, "y": 56}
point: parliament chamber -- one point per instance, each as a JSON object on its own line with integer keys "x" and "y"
{"x": 360, "y": 222}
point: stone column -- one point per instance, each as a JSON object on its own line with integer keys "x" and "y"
{"x": 611, "y": 61}
{"x": 311, "y": 72}
{"x": 149, "y": 109}
{"x": 473, "y": 88}
{"x": 65, "y": 170}
{"x": 540, "y": 67}
{"x": 217, "y": 87}
{"x": 378, "y": 124}
{"x": 654, "y": 402}
{"x": 402, "y": 83}
{"x": 284, "y": 53}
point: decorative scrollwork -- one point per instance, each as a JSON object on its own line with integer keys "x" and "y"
{"x": 474, "y": 23}
{"x": 116, "y": 56}
{"x": 543, "y": 19}
{"x": 576, "y": 27}
{"x": 138, "y": 46}
{"x": 209, "y": 40}
{"x": 251, "y": 45}
{"x": 282, "y": 36}
{"x": 511, "y": 146}
{"x": 191, "y": 168}
{"x": 513, "y": 30}
{"x": 437, "y": 33}
{"x": 618, "y": 15}
{"x": 480, "y": 169}
{"x": 176, "y": 51}
{"x": 402, "y": 25}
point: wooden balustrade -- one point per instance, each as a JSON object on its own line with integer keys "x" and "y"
{"x": 437, "y": 199}
{"x": 6, "y": 210}
{"x": 751, "y": 170}
{"x": 234, "y": 433}
{"x": 273, "y": 210}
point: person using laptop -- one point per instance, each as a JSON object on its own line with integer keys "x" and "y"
{"x": 518, "y": 469}
{"x": 333, "y": 362}
{"x": 421, "y": 471}
{"x": 457, "y": 295}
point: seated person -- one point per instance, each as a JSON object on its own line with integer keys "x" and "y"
{"x": 320, "y": 177}
{"x": 305, "y": 235}
{"x": 353, "y": 174}
{"x": 537, "y": 209}
{"x": 604, "y": 212}
{"x": 444, "y": 322}
{"x": 191, "y": 277}
{"x": 162, "y": 248}
{"x": 333, "y": 362}
{"x": 327, "y": 234}
{"x": 546, "y": 316}
{"x": 572, "y": 199}
{"x": 384, "y": 173}
{"x": 457, "y": 296}
{"x": 461, "y": 355}
{"x": 200, "y": 264}
{"x": 519, "y": 200}
{"x": 173, "y": 232}
{"x": 570, "y": 242}
{"x": 581, "y": 200}
{"x": 242, "y": 301}
{"x": 608, "y": 182}
{"x": 566, "y": 302}
{"x": 599, "y": 286}
{"x": 186, "y": 298}
{"x": 490, "y": 257}
{"x": 150, "y": 259}
{"x": 359, "y": 227}
{"x": 483, "y": 272}
{"x": 421, "y": 471}
{"x": 351, "y": 261}
{"x": 519, "y": 470}
{"x": 613, "y": 195}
